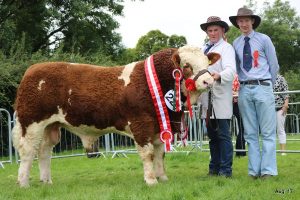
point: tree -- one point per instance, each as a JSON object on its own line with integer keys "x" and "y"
{"x": 81, "y": 26}
{"x": 232, "y": 33}
{"x": 154, "y": 41}
{"x": 282, "y": 24}
{"x": 176, "y": 41}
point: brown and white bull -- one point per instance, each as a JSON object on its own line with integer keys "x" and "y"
{"x": 91, "y": 101}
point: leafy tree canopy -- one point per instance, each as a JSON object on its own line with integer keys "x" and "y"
{"x": 154, "y": 41}
{"x": 80, "y": 26}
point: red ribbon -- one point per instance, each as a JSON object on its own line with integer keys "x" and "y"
{"x": 159, "y": 103}
{"x": 177, "y": 74}
{"x": 166, "y": 137}
{"x": 255, "y": 56}
{"x": 235, "y": 83}
{"x": 190, "y": 86}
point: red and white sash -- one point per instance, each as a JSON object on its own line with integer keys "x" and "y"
{"x": 166, "y": 135}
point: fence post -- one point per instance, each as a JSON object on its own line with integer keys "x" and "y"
{"x": 9, "y": 135}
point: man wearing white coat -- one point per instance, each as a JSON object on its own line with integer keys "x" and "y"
{"x": 219, "y": 115}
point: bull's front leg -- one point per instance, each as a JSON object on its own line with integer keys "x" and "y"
{"x": 146, "y": 153}
{"x": 159, "y": 166}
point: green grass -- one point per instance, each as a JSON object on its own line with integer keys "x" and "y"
{"x": 122, "y": 178}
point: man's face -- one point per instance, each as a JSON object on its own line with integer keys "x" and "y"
{"x": 214, "y": 33}
{"x": 245, "y": 24}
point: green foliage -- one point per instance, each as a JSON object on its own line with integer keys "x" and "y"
{"x": 292, "y": 77}
{"x": 154, "y": 41}
{"x": 282, "y": 24}
{"x": 80, "y": 26}
{"x": 151, "y": 42}
{"x": 128, "y": 56}
{"x": 176, "y": 41}
{"x": 232, "y": 34}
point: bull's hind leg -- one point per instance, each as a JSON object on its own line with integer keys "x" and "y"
{"x": 51, "y": 138}
{"x": 159, "y": 166}
{"x": 27, "y": 147}
{"x": 146, "y": 153}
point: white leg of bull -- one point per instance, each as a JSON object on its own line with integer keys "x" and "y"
{"x": 159, "y": 166}
{"x": 45, "y": 162}
{"x": 51, "y": 138}
{"x": 27, "y": 147}
{"x": 146, "y": 153}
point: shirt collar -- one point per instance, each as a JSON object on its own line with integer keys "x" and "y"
{"x": 215, "y": 44}
{"x": 250, "y": 35}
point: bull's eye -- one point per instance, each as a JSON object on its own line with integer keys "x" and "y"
{"x": 187, "y": 65}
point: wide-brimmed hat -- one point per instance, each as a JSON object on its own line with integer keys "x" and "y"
{"x": 213, "y": 20}
{"x": 245, "y": 12}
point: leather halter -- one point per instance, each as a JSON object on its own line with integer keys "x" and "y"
{"x": 200, "y": 73}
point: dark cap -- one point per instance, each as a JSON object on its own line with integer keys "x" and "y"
{"x": 245, "y": 12}
{"x": 213, "y": 20}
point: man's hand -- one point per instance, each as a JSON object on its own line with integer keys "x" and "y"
{"x": 284, "y": 110}
{"x": 216, "y": 76}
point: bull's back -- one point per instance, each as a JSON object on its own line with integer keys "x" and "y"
{"x": 84, "y": 93}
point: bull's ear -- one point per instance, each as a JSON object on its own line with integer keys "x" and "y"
{"x": 213, "y": 57}
{"x": 176, "y": 59}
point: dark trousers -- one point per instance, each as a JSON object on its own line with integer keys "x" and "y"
{"x": 220, "y": 145}
{"x": 240, "y": 140}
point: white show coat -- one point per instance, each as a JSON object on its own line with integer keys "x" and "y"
{"x": 222, "y": 90}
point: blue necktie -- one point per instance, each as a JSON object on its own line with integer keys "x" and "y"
{"x": 208, "y": 48}
{"x": 247, "y": 58}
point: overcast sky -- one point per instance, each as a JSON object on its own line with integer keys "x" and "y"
{"x": 180, "y": 17}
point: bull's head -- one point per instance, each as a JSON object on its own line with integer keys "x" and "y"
{"x": 195, "y": 64}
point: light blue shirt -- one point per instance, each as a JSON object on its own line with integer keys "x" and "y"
{"x": 267, "y": 60}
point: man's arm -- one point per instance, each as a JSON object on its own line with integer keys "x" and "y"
{"x": 271, "y": 58}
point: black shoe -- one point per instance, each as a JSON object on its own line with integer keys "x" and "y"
{"x": 253, "y": 177}
{"x": 225, "y": 175}
{"x": 265, "y": 176}
{"x": 212, "y": 173}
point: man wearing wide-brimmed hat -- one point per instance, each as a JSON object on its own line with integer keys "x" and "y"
{"x": 223, "y": 71}
{"x": 257, "y": 67}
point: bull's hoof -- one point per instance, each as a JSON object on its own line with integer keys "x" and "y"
{"x": 23, "y": 185}
{"x": 23, "y": 182}
{"x": 163, "y": 178}
{"x": 46, "y": 181}
{"x": 151, "y": 182}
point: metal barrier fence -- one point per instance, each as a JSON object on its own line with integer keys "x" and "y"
{"x": 5, "y": 138}
{"x": 291, "y": 124}
{"x": 119, "y": 145}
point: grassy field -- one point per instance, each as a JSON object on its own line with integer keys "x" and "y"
{"x": 122, "y": 178}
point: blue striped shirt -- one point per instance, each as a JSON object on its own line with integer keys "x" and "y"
{"x": 267, "y": 60}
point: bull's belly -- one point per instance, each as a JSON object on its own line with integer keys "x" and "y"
{"x": 92, "y": 131}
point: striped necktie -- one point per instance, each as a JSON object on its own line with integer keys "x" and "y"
{"x": 208, "y": 48}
